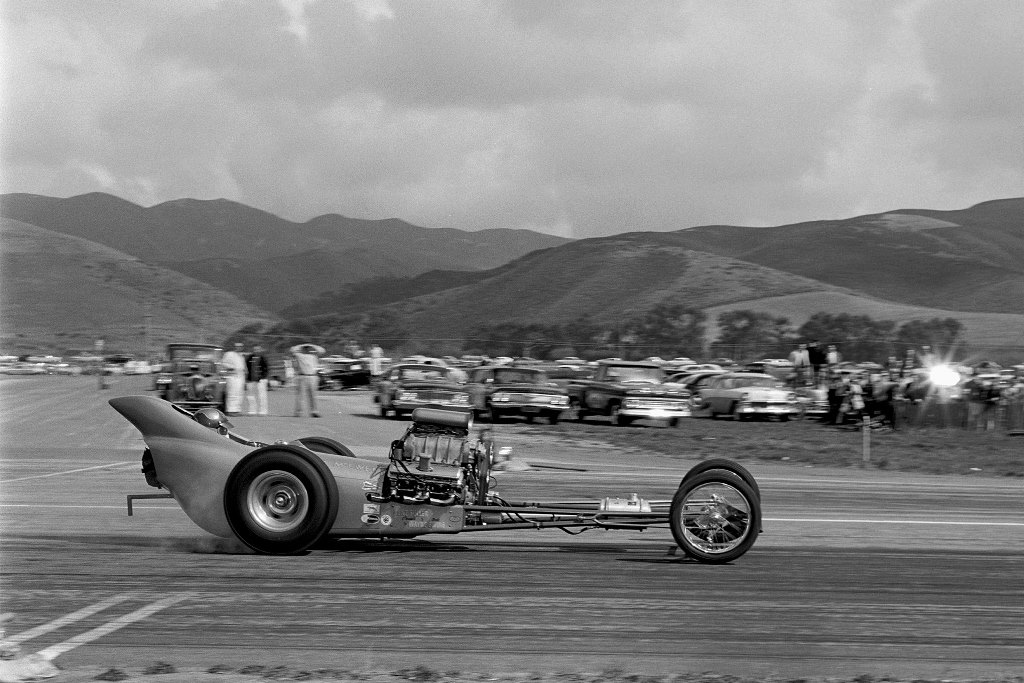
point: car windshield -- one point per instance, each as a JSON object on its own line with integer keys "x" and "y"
{"x": 514, "y": 376}
{"x": 437, "y": 374}
{"x": 741, "y": 382}
{"x": 194, "y": 354}
{"x": 626, "y": 373}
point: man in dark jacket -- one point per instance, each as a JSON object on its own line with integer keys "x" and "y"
{"x": 816, "y": 357}
{"x": 257, "y": 371}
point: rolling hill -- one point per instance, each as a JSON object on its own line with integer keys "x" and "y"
{"x": 898, "y": 265}
{"x": 61, "y": 292}
{"x": 265, "y": 259}
{"x": 609, "y": 280}
{"x": 965, "y": 260}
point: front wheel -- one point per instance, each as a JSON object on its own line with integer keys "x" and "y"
{"x": 727, "y": 465}
{"x": 715, "y": 517}
{"x": 280, "y": 500}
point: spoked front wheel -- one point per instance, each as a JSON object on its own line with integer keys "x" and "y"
{"x": 715, "y": 516}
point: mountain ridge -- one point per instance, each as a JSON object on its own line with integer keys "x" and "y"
{"x": 181, "y": 234}
{"x": 967, "y": 263}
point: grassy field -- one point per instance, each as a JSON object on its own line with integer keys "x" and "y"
{"x": 928, "y": 450}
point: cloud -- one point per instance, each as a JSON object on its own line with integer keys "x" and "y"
{"x": 579, "y": 118}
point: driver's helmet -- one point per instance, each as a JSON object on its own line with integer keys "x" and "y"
{"x": 213, "y": 418}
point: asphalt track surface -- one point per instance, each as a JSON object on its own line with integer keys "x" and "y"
{"x": 858, "y": 572}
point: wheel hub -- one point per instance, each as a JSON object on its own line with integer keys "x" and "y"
{"x": 277, "y": 501}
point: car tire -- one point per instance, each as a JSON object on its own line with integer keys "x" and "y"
{"x": 617, "y": 418}
{"x": 553, "y": 418}
{"x": 715, "y": 517}
{"x": 280, "y": 500}
{"x": 727, "y": 465}
{"x": 576, "y": 410}
{"x": 323, "y": 444}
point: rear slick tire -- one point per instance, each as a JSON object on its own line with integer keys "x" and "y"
{"x": 323, "y": 444}
{"x": 715, "y": 517}
{"x": 280, "y": 500}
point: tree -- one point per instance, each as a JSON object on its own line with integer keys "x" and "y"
{"x": 385, "y": 328}
{"x": 944, "y": 335}
{"x": 670, "y": 329}
{"x": 746, "y": 335}
{"x": 858, "y": 337}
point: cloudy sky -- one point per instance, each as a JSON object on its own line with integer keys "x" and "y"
{"x": 571, "y": 117}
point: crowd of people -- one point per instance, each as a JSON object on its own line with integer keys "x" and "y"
{"x": 247, "y": 379}
{"x": 870, "y": 392}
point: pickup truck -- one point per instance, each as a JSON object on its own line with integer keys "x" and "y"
{"x": 625, "y": 391}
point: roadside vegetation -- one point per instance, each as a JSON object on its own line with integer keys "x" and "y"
{"x": 928, "y": 450}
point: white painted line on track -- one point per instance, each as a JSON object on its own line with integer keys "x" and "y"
{"x": 78, "y": 615}
{"x": 60, "y": 648}
{"x": 60, "y": 474}
{"x": 890, "y": 521}
{"x": 87, "y": 507}
{"x": 589, "y": 470}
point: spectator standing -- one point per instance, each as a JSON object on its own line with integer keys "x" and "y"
{"x": 909, "y": 363}
{"x": 982, "y": 401}
{"x": 307, "y": 366}
{"x": 854, "y": 400}
{"x": 376, "y": 364}
{"x": 257, "y": 373}
{"x": 234, "y": 375}
{"x": 289, "y": 373}
{"x": 801, "y": 361}
{"x": 833, "y": 358}
{"x": 816, "y": 357}
{"x": 836, "y": 397}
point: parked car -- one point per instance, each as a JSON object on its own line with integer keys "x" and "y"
{"x": 692, "y": 381}
{"x": 563, "y": 375}
{"x": 691, "y": 368}
{"x": 25, "y": 368}
{"x": 625, "y": 391}
{"x": 424, "y": 360}
{"x": 407, "y": 386}
{"x": 339, "y": 372}
{"x": 64, "y": 369}
{"x": 501, "y": 391}
{"x": 747, "y": 394}
{"x": 137, "y": 367}
{"x": 780, "y": 368}
{"x": 192, "y": 376}
{"x": 813, "y": 401}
